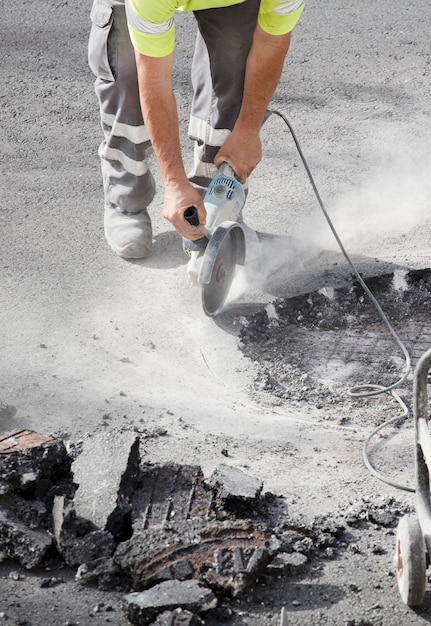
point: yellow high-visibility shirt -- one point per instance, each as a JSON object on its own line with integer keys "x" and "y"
{"x": 152, "y": 28}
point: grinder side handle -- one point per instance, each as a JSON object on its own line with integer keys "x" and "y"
{"x": 191, "y": 216}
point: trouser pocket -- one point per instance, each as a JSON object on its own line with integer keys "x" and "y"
{"x": 98, "y": 51}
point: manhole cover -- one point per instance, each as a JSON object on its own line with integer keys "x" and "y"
{"x": 225, "y": 554}
{"x": 179, "y": 533}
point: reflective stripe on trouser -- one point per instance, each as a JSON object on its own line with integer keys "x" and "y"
{"x": 222, "y": 46}
{"x": 127, "y": 181}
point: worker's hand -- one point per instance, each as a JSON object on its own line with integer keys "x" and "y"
{"x": 242, "y": 150}
{"x": 179, "y": 196}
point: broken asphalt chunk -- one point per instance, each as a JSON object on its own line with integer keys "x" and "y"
{"x": 287, "y": 564}
{"x": 25, "y": 545}
{"x": 178, "y": 618}
{"x": 105, "y": 487}
{"x": 234, "y": 487}
{"x": 78, "y": 541}
{"x": 142, "y": 608}
{"x": 32, "y": 513}
{"x": 105, "y": 573}
{"x": 26, "y": 457}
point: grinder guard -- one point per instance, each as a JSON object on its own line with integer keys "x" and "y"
{"x": 224, "y": 252}
{"x": 227, "y": 230}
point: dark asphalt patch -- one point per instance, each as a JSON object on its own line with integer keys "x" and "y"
{"x": 315, "y": 346}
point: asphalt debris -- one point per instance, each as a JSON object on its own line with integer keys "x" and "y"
{"x": 182, "y": 548}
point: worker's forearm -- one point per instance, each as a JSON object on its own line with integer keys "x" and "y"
{"x": 159, "y": 110}
{"x": 160, "y": 115}
{"x": 264, "y": 67}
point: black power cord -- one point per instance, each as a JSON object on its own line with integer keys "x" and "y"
{"x": 363, "y": 390}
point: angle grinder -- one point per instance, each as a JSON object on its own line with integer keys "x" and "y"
{"x": 214, "y": 258}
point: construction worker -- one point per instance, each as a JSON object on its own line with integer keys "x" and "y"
{"x": 239, "y": 55}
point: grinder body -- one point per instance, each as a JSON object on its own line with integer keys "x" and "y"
{"x": 213, "y": 259}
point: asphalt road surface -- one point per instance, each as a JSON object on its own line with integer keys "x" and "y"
{"x": 91, "y": 342}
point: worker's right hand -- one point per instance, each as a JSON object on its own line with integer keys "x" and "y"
{"x": 179, "y": 196}
{"x": 242, "y": 150}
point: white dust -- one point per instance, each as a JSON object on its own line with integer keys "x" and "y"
{"x": 382, "y": 206}
{"x": 388, "y": 195}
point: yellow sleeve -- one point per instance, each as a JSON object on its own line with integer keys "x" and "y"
{"x": 151, "y": 26}
{"x": 278, "y": 17}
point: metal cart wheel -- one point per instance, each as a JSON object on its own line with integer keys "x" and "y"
{"x": 411, "y": 560}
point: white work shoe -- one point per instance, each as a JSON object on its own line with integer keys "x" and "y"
{"x": 129, "y": 234}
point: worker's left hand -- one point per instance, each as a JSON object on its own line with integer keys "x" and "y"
{"x": 242, "y": 150}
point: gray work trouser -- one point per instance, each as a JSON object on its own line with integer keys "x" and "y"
{"x": 222, "y": 46}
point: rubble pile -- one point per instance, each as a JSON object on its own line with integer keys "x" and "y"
{"x": 32, "y": 469}
{"x": 172, "y": 542}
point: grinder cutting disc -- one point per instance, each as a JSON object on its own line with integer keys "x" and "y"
{"x": 225, "y": 250}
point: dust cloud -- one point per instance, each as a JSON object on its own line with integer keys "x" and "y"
{"x": 388, "y": 196}
{"x": 385, "y": 199}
